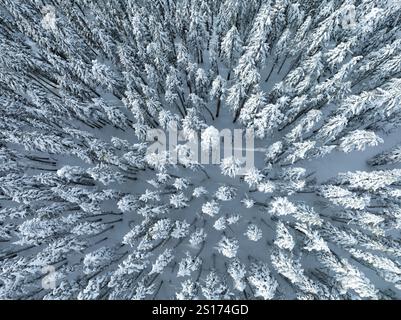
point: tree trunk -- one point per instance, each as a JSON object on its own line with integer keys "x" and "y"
{"x": 218, "y": 107}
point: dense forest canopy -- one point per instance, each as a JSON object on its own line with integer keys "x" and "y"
{"x": 87, "y": 213}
